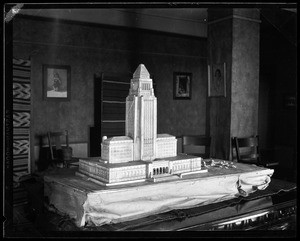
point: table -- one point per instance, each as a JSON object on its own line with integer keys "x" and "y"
{"x": 91, "y": 204}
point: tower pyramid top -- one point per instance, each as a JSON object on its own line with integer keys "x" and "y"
{"x": 141, "y": 72}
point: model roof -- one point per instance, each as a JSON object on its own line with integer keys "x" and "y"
{"x": 141, "y": 72}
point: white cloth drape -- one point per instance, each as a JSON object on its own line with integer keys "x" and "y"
{"x": 92, "y": 204}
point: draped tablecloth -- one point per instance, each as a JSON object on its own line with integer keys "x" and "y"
{"x": 91, "y": 204}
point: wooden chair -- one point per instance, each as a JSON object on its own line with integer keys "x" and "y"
{"x": 233, "y": 150}
{"x": 60, "y": 155}
{"x": 247, "y": 151}
{"x": 196, "y": 145}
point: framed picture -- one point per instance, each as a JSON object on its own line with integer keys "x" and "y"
{"x": 56, "y": 82}
{"x": 289, "y": 101}
{"x": 182, "y": 85}
{"x": 217, "y": 80}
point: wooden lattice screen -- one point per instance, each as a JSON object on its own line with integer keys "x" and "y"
{"x": 114, "y": 90}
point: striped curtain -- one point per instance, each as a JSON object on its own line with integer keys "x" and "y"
{"x": 21, "y": 117}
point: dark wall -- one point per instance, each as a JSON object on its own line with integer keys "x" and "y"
{"x": 245, "y": 76}
{"x": 90, "y": 49}
{"x": 278, "y": 79}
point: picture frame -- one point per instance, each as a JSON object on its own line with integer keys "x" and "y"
{"x": 289, "y": 101}
{"x": 56, "y": 82}
{"x": 217, "y": 80}
{"x": 182, "y": 85}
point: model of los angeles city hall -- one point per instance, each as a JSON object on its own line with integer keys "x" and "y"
{"x": 142, "y": 154}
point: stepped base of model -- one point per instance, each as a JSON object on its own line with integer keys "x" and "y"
{"x": 109, "y": 174}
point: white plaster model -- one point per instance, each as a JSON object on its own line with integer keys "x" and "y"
{"x": 142, "y": 154}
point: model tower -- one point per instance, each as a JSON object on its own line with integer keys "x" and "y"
{"x": 141, "y": 115}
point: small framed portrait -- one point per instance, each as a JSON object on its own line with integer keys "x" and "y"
{"x": 56, "y": 82}
{"x": 217, "y": 80}
{"x": 289, "y": 101}
{"x": 182, "y": 85}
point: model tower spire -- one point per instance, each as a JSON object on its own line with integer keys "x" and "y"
{"x": 141, "y": 84}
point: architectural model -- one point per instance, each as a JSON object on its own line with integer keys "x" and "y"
{"x": 142, "y": 154}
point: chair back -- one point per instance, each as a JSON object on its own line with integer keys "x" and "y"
{"x": 233, "y": 150}
{"x": 196, "y": 145}
{"x": 55, "y": 145}
{"x": 247, "y": 149}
